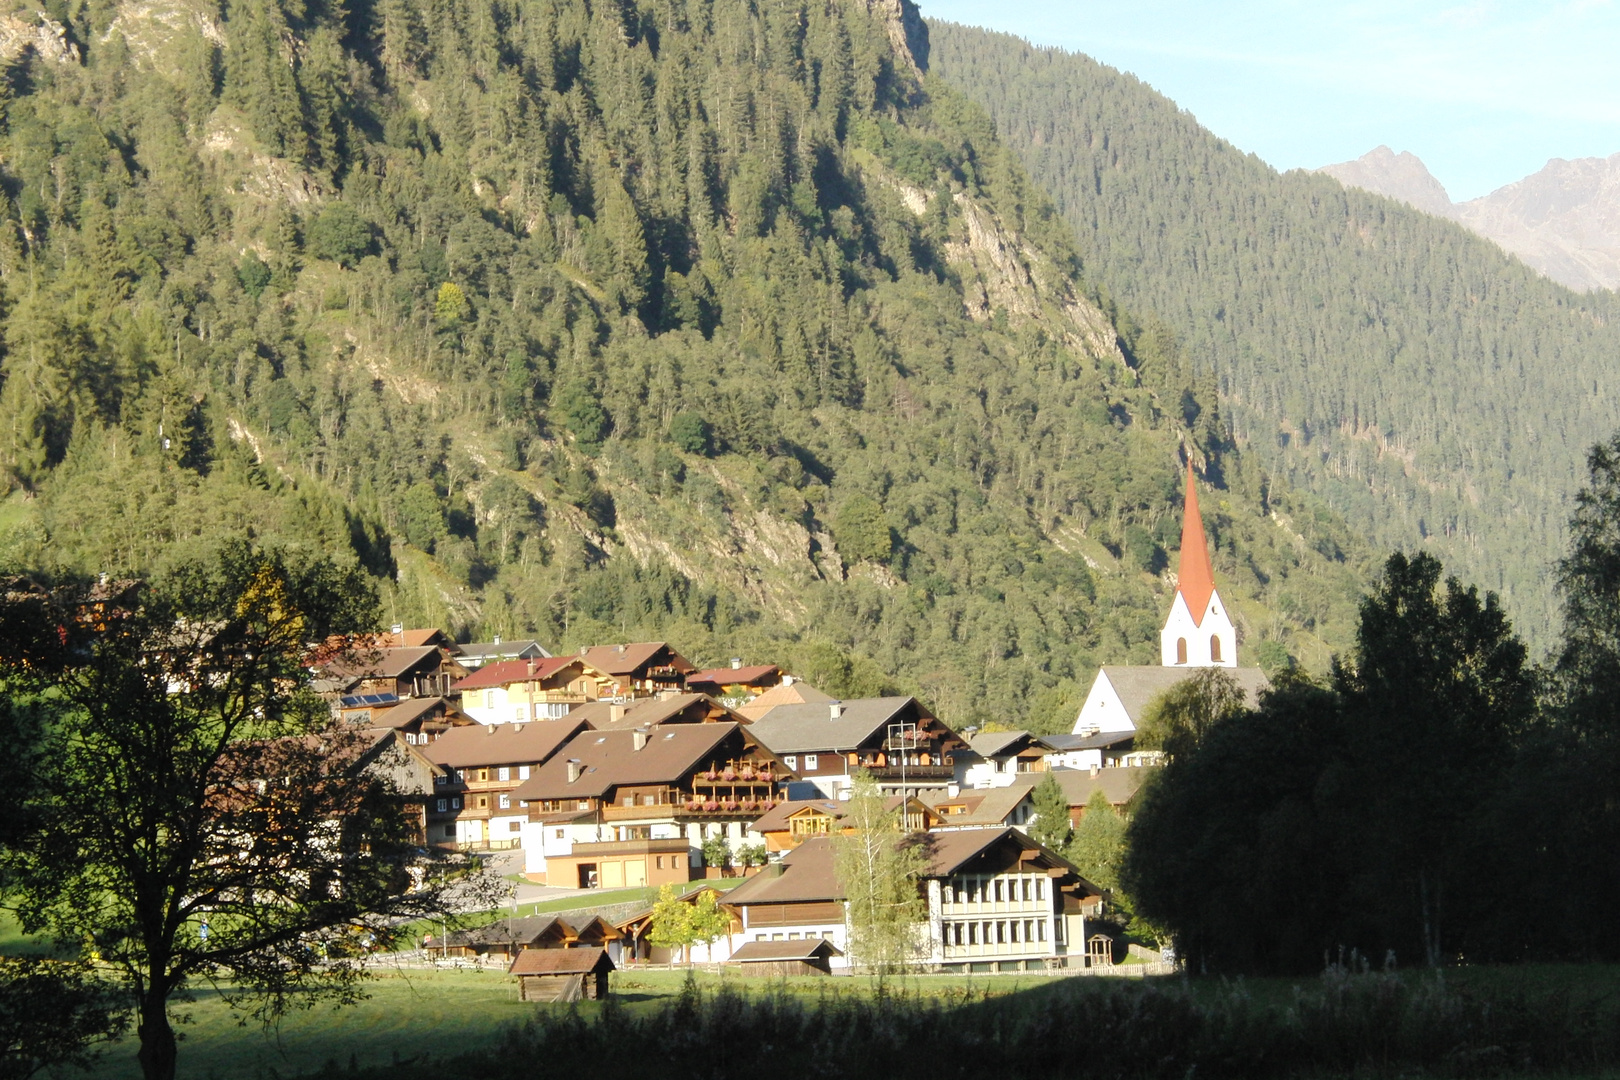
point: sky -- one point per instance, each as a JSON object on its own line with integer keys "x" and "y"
{"x": 1485, "y": 92}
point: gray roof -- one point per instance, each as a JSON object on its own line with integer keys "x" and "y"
{"x": 1138, "y": 686}
{"x": 519, "y": 649}
{"x": 811, "y": 727}
{"x": 988, "y": 744}
{"x": 1100, "y": 741}
{"x": 1119, "y": 784}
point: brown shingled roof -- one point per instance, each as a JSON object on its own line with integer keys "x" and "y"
{"x": 626, "y": 659}
{"x": 387, "y": 663}
{"x": 732, "y": 676}
{"x": 608, "y": 759}
{"x": 583, "y": 960}
{"x": 808, "y": 949}
{"x": 795, "y": 693}
{"x": 501, "y": 744}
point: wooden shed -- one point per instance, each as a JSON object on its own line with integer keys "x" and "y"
{"x": 562, "y": 974}
{"x": 811, "y": 956}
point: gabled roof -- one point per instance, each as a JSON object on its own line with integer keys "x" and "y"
{"x": 583, "y": 960}
{"x": 1137, "y": 686}
{"x": 1195, "y": 578}
{"x": 794, "y": 693}
{"x": 732, "y": 676}
{"x": 502, "y": 744}
{"x": 986, "y": 806}
{"x": 659, "y": 710}
{"x": 510, "y": 671}
{"x": 777, "y": 817}
{"x": 524, "y": 930}
{"x": 949, "y": 852}
{"x": 806, "y": 875}
{"x": 407, "y": 712}
{"x": 988, "y": 744}
{"x": 1120, "y": 785}
{"x": 519, "y": 648}
{"x": 808, "y": 949}
{"x": 608, "y": 759}
{"x": 793, "y": 729}
{"x": 386, "y": 663}
{"x": 627, "y": 659}
{"x": 415, "y": 639}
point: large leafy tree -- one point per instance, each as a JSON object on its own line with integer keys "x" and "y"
{"x": 196, "y": 815}
{"x": 1356, "y": 816}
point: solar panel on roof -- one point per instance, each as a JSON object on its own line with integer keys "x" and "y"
{"x": 361, "y": 701}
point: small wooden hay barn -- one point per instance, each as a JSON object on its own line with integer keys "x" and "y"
{"x": 812, "y": 956}
{"x": 562, "y": 974}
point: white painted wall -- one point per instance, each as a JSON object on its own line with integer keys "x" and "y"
{"x": 1214, "y": 625}
{"x": 1103, "y": 710}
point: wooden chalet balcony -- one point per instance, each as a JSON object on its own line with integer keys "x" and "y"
{"x": 911, "y": 773}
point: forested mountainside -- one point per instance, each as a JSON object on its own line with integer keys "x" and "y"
{"x": 605, "y": 320}
{"x": 1432, "y": 389}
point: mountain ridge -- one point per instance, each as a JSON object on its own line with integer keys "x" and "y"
{"x": 1562, "y": 220}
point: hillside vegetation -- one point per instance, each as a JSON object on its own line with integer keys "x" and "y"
{"x": 1432, "y": 389}
{"x": 605, "y": 320}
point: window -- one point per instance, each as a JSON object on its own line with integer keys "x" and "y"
{"x": 444, "y": 804}
{"x": 449, "y": 830}
{"x": 506, "y": 802}
{"x": 791, "y": 761}
{"x": 559, "y": 834}
{"x": 675, "y": 862}
{"x": 999, "y": 890}
{"x": 658, "y": 861}
{"x": 1040, "y": 929}
{"x": 523, "y": 772}
{"x": 440, "y": 779}
{"x": 1181, "y": 650}
{"x": 489, "y": 699}
{"x": 520, "y": 713}
{"x": 455, "y": 803}
{"x": 483, "y": 802}
{"x": 1040, "y": 888}
{"x": 483, "y": 774}
{"x": 973, "y": 933}
{"x": 1215, "y": 647}
{"x": 1027, "y": 897}
{"x": 514, "y": 826}
{"x": 810, "y": 763}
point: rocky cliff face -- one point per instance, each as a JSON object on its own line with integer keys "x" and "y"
{"x": 1563, "y": 221}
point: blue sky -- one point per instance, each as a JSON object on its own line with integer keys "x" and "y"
{"x": 1485, "y": 93}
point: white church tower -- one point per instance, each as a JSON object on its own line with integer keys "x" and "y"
{"x": 1198, "y": 632}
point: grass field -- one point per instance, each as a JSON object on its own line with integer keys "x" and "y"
{"x": 416, "y": 1015}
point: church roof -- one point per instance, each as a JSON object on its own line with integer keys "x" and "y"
{"x": 1196, "y": 577}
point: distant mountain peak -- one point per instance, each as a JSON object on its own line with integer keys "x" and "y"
{"x": 1401, "y": 176}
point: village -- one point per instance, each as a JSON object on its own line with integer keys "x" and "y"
{"x": 624, "y": 766}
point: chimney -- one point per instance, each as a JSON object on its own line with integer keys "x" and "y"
{"x": 398, "y": 628}
{"x": 836, "y": 708}
{"x": 615, "y": 713}
{"x": 573, "y": 769}
{"x": 736, "y": 662}
{"x": 497, "y": 639}
{"x": 787, "y": 680}
{"x": 638, "y": 738}
{"x": 531, "y": 667}
{"x": 583, "y": 649}
{"x": 516, "y": 728}
{"x": 489, "y": 729}
{"x": 1094, "y": 771}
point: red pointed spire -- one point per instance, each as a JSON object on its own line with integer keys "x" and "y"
{"x": 1196, "y": 578}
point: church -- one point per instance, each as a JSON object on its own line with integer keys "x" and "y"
{"x": 1198, "y": 634}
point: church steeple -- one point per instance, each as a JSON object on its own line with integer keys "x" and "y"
{"x": 1198, "y": 633}
{"x": 1196, "y": 577}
